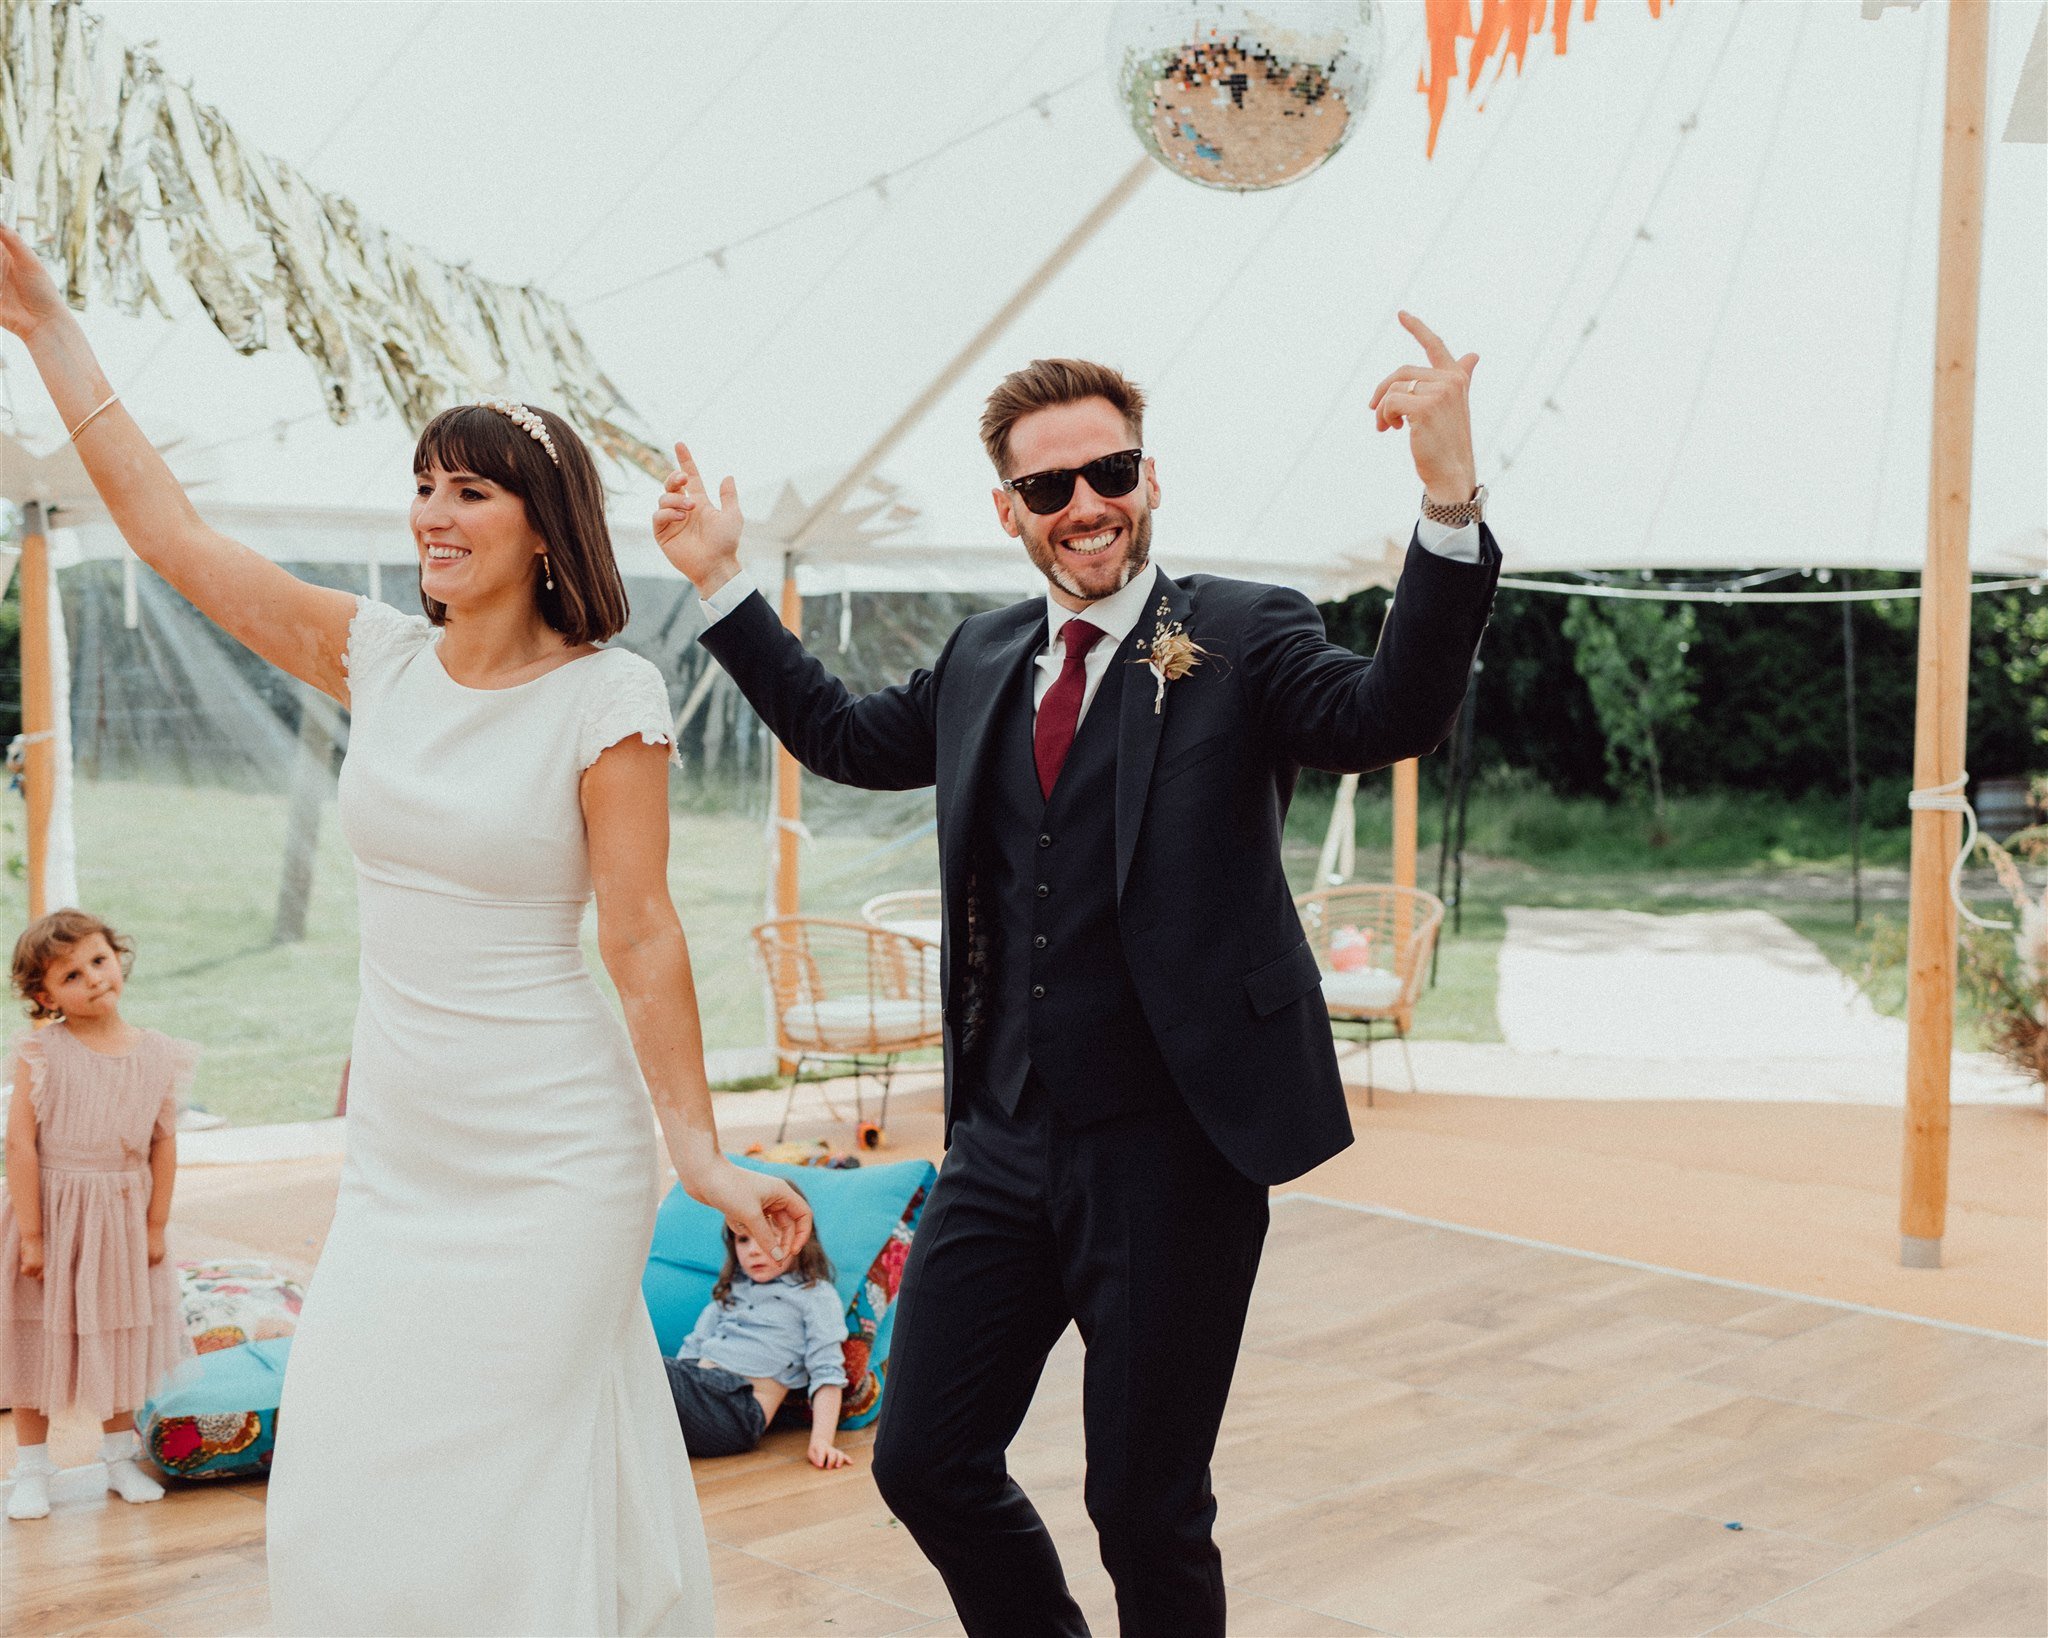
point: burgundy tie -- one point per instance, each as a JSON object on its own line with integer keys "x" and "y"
{"x": 1059, "y": 713}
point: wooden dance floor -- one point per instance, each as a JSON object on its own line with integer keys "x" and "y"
{"x": 1433, "y": 1431}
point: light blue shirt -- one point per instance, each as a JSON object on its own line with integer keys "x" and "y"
{"x": 779, "y": 1328}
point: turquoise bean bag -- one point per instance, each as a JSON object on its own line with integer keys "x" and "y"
{"x": 865, "y": 1218}
{"x": 216, "y": 1417}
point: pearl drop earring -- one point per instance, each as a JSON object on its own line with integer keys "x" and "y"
{"x": 547, "y": 571}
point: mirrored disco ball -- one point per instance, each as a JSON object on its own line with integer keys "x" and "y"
{"x": 1244, "y": 97}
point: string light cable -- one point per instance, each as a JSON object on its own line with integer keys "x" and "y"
{"x": 1039, "y": 104}
{"x": 1683, "y": 441}
{"x": 1670, "y": 594}
{"x": 1629, "y": 150}
{"x": 1454, "y": 214}
{"x": 825, "y": 279}
{"x": 1279, "y": 220}
{"x": 1641, "y": 236}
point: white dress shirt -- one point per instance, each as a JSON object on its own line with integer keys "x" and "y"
{"x": 1116, "y": 615}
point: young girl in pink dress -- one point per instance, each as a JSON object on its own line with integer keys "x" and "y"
{"x": 89, "y": 1306}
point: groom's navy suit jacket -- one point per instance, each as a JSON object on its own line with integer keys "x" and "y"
{"x": 1228, "y": 985}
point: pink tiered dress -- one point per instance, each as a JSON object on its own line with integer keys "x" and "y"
{"x": 101, "y": 1328}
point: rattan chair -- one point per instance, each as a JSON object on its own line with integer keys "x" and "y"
{"x": 1373, "y": 943}
{"x": 913, "y": 910}
{"x": 848, "y": 992}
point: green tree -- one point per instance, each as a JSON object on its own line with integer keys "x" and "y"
{"x": 2012, "y": 646}
{"x": 1632, "y": 656}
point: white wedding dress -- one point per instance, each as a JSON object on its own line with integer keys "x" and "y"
{"x": 476, "y": 1433}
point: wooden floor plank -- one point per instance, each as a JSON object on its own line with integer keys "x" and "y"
{"x": 1464, "y": 1435}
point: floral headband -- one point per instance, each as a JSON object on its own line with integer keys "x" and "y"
{"x": 527, "y": 420}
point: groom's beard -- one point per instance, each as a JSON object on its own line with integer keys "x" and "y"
{"x": 1137, "y": 553}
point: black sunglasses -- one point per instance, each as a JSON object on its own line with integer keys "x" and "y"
{"x": 1108, "y": 475}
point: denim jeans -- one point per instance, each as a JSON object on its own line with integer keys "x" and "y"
{"x": 717, "y": 1409}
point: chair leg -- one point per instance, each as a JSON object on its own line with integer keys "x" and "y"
{"x": 888, "y": 1080}
{"x": 789, "y": 1103}
{"x": 1368, "y": 1065}
{"x": 1401, "y": 1035}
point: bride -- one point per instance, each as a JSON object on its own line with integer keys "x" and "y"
{"x": 476, "y": 1434}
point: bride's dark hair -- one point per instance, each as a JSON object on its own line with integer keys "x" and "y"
{"x": 564, "y": 504}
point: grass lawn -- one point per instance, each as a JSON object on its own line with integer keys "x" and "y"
{"x": 192, "y": 875}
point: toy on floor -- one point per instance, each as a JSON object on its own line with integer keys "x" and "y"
{"x": 815, "y": 1153}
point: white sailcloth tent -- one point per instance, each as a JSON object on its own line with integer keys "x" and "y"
{"x": 1696, "y": 256}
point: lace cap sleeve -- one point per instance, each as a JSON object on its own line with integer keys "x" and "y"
{"x": 378, "y": 637}
{"x": 30, "y": 1049}
{"x": 627, "y": 697}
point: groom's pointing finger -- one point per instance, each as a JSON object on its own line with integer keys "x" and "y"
{"x": 1439, "y": 354}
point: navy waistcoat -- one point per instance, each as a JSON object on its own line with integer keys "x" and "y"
{"x": 1058, "y": 996}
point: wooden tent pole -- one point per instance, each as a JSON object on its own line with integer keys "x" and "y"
{"x": 789, "y": 813}
{"x": 1406, "y": 803}
{"x": 789, "y": 790}
{"x": 1406, "y": 791}
{"x": 1940, "y": 715}
{"x": 38, "y": 704}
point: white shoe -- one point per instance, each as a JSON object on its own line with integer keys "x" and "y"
{"x": 126, "y": 1480}
{"x": 30, "y": 1498}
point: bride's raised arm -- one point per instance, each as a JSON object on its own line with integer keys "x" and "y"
{"x": 299, "y": 628}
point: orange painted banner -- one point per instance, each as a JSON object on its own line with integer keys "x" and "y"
{"x": 1504, "y": 26}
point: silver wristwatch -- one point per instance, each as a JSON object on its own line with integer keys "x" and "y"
{"x": 1456, "y": 517}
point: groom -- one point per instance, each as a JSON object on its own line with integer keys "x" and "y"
{"x": 1136, "y": 1041}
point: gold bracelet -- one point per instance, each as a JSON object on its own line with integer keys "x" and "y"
{"x": 107, "y": 403}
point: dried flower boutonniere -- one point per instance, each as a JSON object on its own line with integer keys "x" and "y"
{"x": 1172, "y": 653}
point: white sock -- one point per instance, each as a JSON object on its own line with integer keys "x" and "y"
{"x": 30, "y": 1497}
{"x": 124, "y": 1477}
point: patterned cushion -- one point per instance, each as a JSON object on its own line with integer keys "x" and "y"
{"x": 216, "y": 1417}
{"x": 232, "y": 1302}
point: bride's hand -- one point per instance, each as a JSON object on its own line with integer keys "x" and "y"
{"x": 699, "y": 537}
{"x": 773, "y": 1214}
{"x": 29, "y": 297}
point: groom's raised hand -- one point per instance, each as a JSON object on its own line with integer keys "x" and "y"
{"x": 699, "y": 536}
{"x": 1434, "y": 402}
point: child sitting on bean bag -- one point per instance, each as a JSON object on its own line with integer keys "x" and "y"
{"x": 772, "y": 1325}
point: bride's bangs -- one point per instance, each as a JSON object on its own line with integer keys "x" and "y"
{"x": 472, "y": 439}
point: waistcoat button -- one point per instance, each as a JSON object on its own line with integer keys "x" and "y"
{"x": 1045, "y": 841}
{"x": 1044, "y": 891}
{"x": 1038, "y": 992}
{"x": 1039, "y": 942}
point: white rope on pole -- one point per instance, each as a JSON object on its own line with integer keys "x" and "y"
{"x": 1949, "y": 798}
